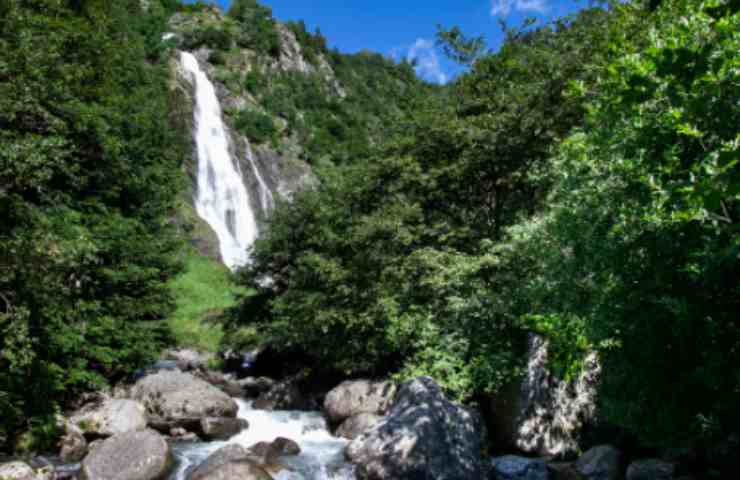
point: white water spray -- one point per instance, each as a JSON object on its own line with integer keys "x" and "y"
{"x": 266, "y": 201}
{"x": 222, "y": 198}
{"x": 321, "y": 457}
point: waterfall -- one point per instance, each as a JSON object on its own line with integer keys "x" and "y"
{"x": 267, "y": 203}
{"x": 222, "y": 199}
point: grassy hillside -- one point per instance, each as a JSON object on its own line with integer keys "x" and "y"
{"x": 201, "y": 293}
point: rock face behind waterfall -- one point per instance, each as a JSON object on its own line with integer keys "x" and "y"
{"x": 175, "y": 399}
{"x": 424, "y": 436}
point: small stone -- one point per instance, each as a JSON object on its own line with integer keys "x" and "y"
{"x": 512, "y": 467}
{"x": 651, "y": 469}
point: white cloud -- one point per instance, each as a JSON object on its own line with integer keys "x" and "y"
{"x": 504, "y": 7}
{"x": 426, "y": 58}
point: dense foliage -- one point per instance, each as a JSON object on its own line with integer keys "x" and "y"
{"x": 384, "y": 264}
{"x": 89, "y": 170}
{"x": 639, "y": 251}
{"x": 581, "y": 183}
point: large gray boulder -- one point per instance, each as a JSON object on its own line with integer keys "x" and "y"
{"x": 231, "y": 462}
{"x": 651, "y": 469}
{"x": 358, "y": 396}
{"x": 177, "y": 399}
{"x": 543, "y": 414}
{"x": 283, "y": 395}
{"x": 512, "y": 467}
{"x": 143, "y": 455}
{"x": 112, "y": 417}
{"x": 356, "y": 425}
{"x": 17, "y": 471}
{"x": 219, "y": 428}
{"x": 424, "y": 435}
{"x": 600, "y": 463}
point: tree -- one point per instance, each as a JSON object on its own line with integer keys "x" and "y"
{"x": 89, "y": 168}
{"x": 458, "y": 47}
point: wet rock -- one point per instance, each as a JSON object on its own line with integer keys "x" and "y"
{"x": 254, "y": 386}
{"x": 218, "y": 428}
{"x": 263, "y": 454}
{"x": 177, "y": 399}
{"x": 112, "y": 417}
{"x": 286, "y": 446}
{"x": 424, "y": 435}
{"x": 564, "y": 471}
{"x": 66, "y": 472}
{"x": 651, "y": 469}
{"x": 73, "y": 445}
{"x": 267, "y": 454}
{"x": 231, "y": 462}
{"x": 600, "y": 463}
{"x": 355, "y": 425}
{"x": 512, "y": 467}
{"x": 283, "y": 395}
{"x": 17, "y": 471}
{"x": 143, "y": 455}
{"x": 358, "y": 396}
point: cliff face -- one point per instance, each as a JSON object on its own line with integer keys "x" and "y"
{"x": 289, "y": 103}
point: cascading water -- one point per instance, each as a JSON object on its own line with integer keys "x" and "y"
{"x": 266, "y": 201}
{"x": 222, "y": 198}
{"x": 321, "y": 457}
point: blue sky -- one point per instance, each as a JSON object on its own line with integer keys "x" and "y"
{"x": 406, "y": 28}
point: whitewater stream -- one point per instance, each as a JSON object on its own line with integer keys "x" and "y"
{"x": 321, "y": 457}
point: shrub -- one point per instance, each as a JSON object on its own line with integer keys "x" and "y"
{"x": 257, "y": 126}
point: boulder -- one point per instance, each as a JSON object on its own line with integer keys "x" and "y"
{"x": 254, "y": 386}
{"x": 231, "y": 462}
{"x": 358, "y": 396}
{"x": 112, "y": 417}
{"x": 600, "y": 463}
{"x": 225, "y": 383}
{"x": 424, "y": 435}
{"x": 188, "y": 360}
{"x": 73, "y": 445}
{"x": 219, "y": 428}
{"x": 283, "y": 395}
{"x": 355, "y": 425}
{"x": 651, "y": 469}
{"x": 266, "y": 454}
{"x": 512, "y": 467}
{"x": 286, "y": 446}
{"x": 17, "y": 471}
{"x": 142, "y": 455}
{"x": 543, "y": 414}
{"x": 564, "y": 471}
{"x": 177, "y": 399}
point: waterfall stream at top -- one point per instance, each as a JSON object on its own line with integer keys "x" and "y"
{"x": 221, "y": 199}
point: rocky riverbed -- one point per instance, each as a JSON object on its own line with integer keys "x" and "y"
{"x": 182, "y": 421}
